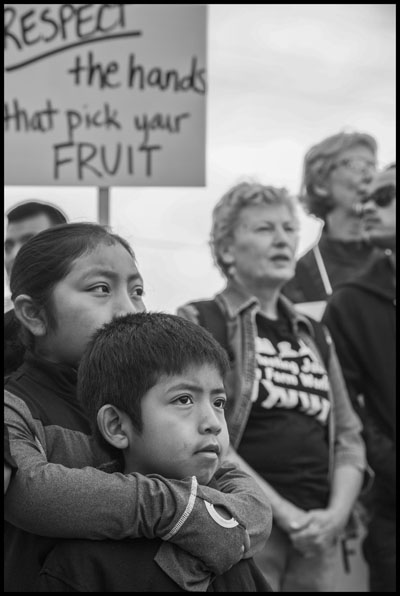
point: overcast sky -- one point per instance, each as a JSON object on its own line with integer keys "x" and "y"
{"x": 280, "y": 79}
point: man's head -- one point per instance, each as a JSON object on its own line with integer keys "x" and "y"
{"x": 25, "y": 221}
{"x": 337, "y": 173}
{"x": 379, "y": 210}
{"x": 152, "y": 385}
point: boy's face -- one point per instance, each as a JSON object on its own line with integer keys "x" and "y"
{"x": 184, "y": 428}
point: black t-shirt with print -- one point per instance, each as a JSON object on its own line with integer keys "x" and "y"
{"x": 286, "y": 437}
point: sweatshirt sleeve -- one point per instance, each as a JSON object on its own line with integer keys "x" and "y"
{"x": 340, "y": 317}
{"x": 338, "y": 324}
{"x": 348, "y": 443}
{"x": 247, "y": 503}
{"x": 53, "y": 500}
{"x": 251, "y": 516}
{"x": 381, "y": 455}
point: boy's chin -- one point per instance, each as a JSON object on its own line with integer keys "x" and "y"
{"x": 205, "y": 477}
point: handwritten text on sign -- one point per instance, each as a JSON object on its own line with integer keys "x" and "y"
{"x": 105, "y": 94}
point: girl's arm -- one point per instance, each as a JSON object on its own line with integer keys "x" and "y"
{"x": 247, "y": 503}
{"x": 7, "y": 476}
{"x": 9, "y": 463}
{"x": 53, "y": 500}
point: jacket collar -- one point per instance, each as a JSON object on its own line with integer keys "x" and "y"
{"x": 379, "y": 278}
{"x": 51, "y": 374}
{"x": 237, "y": 300}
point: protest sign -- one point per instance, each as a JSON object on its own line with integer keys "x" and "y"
{"x": 105, "y": 94}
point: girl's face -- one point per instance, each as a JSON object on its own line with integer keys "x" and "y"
{"x": 100, "y": 286}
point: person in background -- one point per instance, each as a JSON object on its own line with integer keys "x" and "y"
{"x": 66, "y": 282}
{"x": 24, "y": 221}
{"x": 152, "y": 387}
{"x": 361, "y": 316}
{"x": 337, "y": 174}
{"x": 290, "y": 420}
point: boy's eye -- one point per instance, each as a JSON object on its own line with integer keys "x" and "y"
{"x": 220, "y": 403}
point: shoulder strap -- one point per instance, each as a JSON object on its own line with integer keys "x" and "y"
{"x": 212, "y": 319}
{"x": 321, "y": 340}
{"x": 322, "y": 270}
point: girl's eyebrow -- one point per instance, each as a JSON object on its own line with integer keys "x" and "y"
{"x": 110, "y": 273}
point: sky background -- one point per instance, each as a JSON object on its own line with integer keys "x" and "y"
{"x": 280, "y": 79}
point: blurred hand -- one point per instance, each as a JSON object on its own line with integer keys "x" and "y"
{"x": 289, "y": 516}
{"x": 316, "y": 532}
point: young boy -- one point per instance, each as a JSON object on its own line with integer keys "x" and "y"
{"x": 152, "y": 386}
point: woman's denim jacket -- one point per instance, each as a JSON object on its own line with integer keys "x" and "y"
{"x": 346, "y": 446}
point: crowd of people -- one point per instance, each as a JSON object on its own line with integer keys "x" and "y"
{"x": 223, "y": 447}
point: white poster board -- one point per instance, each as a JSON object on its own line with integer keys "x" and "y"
{"x": 312, "y": 309}
{"x": 105, "y": 94}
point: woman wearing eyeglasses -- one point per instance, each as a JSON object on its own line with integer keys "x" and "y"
{"x": 337, "y": 174}
{"x": 361, "y": 316}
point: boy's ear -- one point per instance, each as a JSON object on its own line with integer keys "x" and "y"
{"x": 114, "y": 426}
{"x": 31, "y": 317}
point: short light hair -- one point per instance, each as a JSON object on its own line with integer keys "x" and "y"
{"x": 226, "y": 213}
{"x": 318, "y": 163}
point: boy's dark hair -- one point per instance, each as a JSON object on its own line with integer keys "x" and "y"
{"x": 128, "y": 356}
{"x": 32, "y": 208}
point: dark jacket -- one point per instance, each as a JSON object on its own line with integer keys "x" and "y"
{"x": 130, "y": 566}
{"x": 361, "y": 316}
{"x": 341, "y": 262}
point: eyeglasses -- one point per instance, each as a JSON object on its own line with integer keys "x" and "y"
{"x": 382, "y": 197}
{"x": 357, "y": 165}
